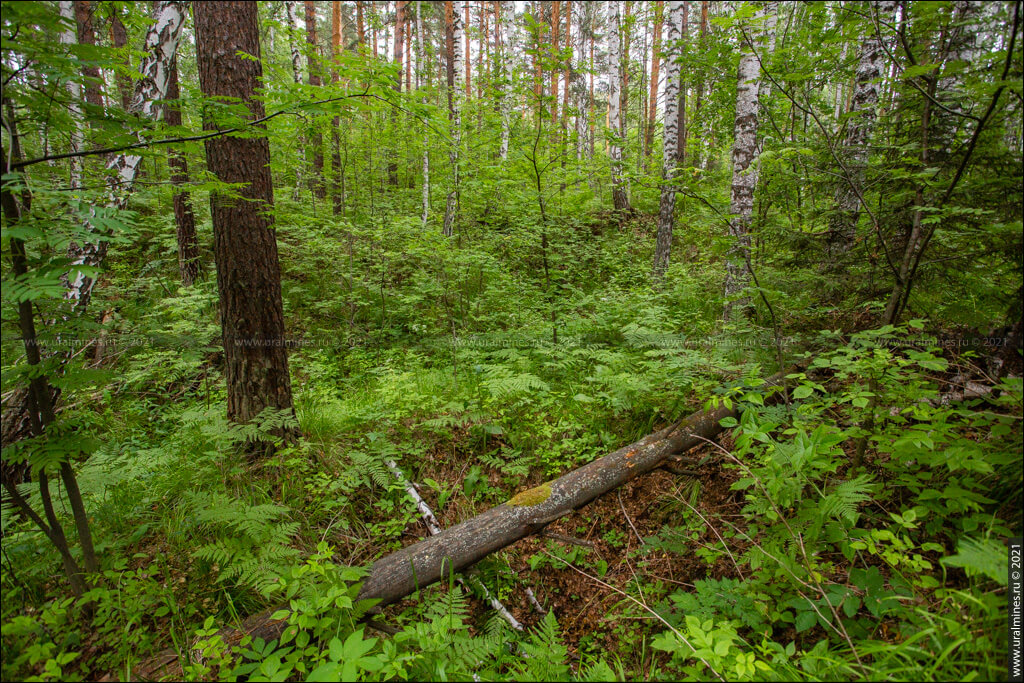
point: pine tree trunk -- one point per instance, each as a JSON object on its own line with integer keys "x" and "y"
{"x": 248, "y": 273}
{"x": 399, "y": 52}
{"x": 655, "y": 76}
{"x": 556, "y": 7}
{"x": 87, "y": 36}
{"x": 337, "y": 170}
{"x": 317, "y": 138}
{"x": 670, "y": 152}
{"x": 465, "y": 31}
{"x": 295, "y": 28}
{"x": 502, "y": 69}
{"x": 184, "y": 220}
{"x": 420, "y": 40}
{"x": 119, "y": 39}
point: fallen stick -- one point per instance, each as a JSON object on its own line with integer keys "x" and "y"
{"x": 435, "y": 528}
{"x": 417, "y": 566}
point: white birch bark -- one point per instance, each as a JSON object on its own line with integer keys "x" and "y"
{"x": 452, "y": 203}
{"x": 122, "y": 169}
{"x": 744, "y": 159}
{"x": 670, "y": 154}
{"x": 70, "y": 37}
{"x": 859, "y": 125}
{"x": 620, "y": 199}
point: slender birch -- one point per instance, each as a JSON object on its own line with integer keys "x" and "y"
{"x": 671, "y": 151}
{"x": 150, "y": 90}
{"x": 744, "y": 164}
{"x": 864, "y": 110}
{"x": 620, "y": 198}
{"x": 454, "y": 112}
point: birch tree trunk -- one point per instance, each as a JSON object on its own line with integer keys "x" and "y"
{"x": 744, "y": 166}
{"x": 620, "y": 198}
{"x": 70, "y": 37}
{"x": 670, "y": 153}
{"x": 248, "y": 273}
{"x": 160, "y": 48}
{"x": 454, "y": 112}
{"x": 867, "y": 83}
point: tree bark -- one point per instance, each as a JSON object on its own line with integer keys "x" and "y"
{"x": 420, "y": 37}
{"x": 416, "y": 566}
{"x": 184, "y": 220}
{"x": 620, "y": 197}
{"x": 501, "y": 68}
{"x": 248, "y": 273}
{"x": 454, "y": 27}
{"x": 39, "y": 401}
{"x": 317, "y": 139}
{"x": 119, "y": 39}
{"x": 70, "y": 37}
{"x": 337, "y": 169}
{"x": 465, "y": 31}
{"x": 399, "y": 52}
{"x": 744, "y": 166}
{"x": 150, "y": 90}
{"x": 87, "y": 36}
{"x": 655, "y": 76}
{"x": 843, "y": 224}
{"x": 670, "y": 152}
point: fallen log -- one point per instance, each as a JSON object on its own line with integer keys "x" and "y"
{"x": 417, "y": 566}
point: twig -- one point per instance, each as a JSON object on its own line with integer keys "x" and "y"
{"x": 626, "y": 514}
{"x": 642, "y": 605}
{"x": 572, "y": 540}
{"x": 432, "y": 525}
{"x": 533, "y": 600}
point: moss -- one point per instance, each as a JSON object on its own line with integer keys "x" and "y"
{"x": 534, "y": 496}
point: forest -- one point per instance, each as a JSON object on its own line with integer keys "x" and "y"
{"x": 536, "y": 341}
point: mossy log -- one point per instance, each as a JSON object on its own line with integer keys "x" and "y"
{"x": 401, "y": 573}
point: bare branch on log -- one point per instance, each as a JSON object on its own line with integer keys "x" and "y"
{"x": 401, "y": 573}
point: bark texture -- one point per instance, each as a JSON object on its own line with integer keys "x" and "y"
{"x": 455, "y": 57}
{"x": 119, "y": 39}
{"x": 659, "y": 14}
{"x": 70, "y": 37}
{"x": 744, "y": 158}
{"x": 416, "y": 566}
{"x": 670, "y": 153}
{"x": 87, "y": 36}
{"x": 864, "y": 110}
{"x": 147, "y": 102}
{"x": 184, "y": 219}
{"x": 620, "y": 196}
{"x": 245, "y": 247}
{"x": 317, "y": 138}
